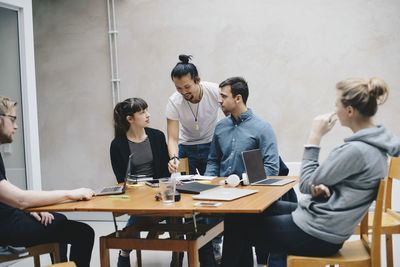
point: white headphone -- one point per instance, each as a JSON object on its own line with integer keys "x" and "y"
{"x": 233, "y": 180}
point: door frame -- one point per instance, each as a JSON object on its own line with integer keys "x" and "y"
{"x": 28, "y": 90}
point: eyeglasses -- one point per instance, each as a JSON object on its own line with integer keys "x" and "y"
{"x": 13, "y": 118}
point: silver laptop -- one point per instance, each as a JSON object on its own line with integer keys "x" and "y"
{"x": 119, "y": 189}
{"x": 112, "y": 190}
{"x": 253, "y": 162}
{"x": 224, "y": 194}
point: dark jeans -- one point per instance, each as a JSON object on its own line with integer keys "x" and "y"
{"x": 197, "y": 155}
{"x": 132, "y": 220}
{"x": 23, "y": 230}
{"x": 273, "y": 230}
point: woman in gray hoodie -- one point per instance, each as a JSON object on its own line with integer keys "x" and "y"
{"x": 340, "y": 190}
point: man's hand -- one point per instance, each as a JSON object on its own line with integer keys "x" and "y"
{"x": 81, "y": 194}
{"x": 173, "y": 165}
{"x": 44, "y": 217}
{"x": 320, "y": 191}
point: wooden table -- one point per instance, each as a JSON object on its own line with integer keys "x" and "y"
{"x": 142, "y": 203}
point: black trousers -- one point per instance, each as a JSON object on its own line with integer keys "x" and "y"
{"x": 22, "y": 230}
{"x": 273, "y": 231}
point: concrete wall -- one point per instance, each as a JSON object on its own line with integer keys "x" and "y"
{"x": 291, "y": 52}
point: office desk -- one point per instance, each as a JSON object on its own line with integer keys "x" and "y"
{"x": 142, "y": 203}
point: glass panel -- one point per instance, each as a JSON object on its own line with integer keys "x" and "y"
{"x": 10, "y": 86}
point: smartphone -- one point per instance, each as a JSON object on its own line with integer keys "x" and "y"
{"x": 153, "y": 183}
{"x": 207, "y": 204}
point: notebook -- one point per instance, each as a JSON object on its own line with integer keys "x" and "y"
{"x": 194, "y": 188}
{"x": 224, "y": 194}
{"x": 254, "y": 166}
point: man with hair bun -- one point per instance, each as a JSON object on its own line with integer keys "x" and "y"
{"x": 192, "y": 113}
{"x": 343, "y": 186}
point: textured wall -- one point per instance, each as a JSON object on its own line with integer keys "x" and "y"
{"x": 291, "y": 52}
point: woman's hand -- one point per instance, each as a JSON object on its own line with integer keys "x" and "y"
{"x": 173, "y": 165}
{"x": 44, "y": 217}
{"x": 321, "y": 125}
{"x": 320, "y": 191}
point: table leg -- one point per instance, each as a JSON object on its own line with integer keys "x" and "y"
{"x": 104, "y": 253}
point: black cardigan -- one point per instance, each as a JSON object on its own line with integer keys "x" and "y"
{"x": 119, "y": 153}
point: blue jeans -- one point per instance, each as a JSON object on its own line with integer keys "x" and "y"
{"x": 197, "y": 155}
{"x": 274, "y": 231}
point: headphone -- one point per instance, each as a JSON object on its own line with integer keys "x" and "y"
{"x": 233, "y": 180}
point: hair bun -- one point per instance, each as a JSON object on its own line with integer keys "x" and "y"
{"x": 185, "y": 58}
{"x": 378, "y": 89}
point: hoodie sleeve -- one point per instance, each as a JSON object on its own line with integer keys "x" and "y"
{"x": 341, "y": 163}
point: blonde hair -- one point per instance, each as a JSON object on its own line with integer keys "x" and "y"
{"x": 6, "y": 105}
{"x": 364, "y": 95}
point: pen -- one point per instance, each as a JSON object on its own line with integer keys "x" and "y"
{"x": 120, "y": 197}
{"x": 175, "y": 161}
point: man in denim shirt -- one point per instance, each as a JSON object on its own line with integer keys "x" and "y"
{"x": 240, "y": 131}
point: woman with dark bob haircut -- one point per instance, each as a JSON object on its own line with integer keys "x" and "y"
{"x": 133, "y": 136}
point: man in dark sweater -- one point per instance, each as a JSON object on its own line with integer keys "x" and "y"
{"x": 18, "y": 228}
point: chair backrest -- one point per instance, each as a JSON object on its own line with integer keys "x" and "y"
{"x": 183, "y": 166}
{"x": 374, "y": 246}
{"x": 394, "y": 173}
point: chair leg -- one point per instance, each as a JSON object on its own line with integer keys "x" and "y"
{"x": 193, "y": 255}
{"x": 36, "y": 260}
{"x": 104, "y": 253}
{"x": 389, "y": 251}
{"x": 138, "y": 258}
{"x": 56, "y": 253}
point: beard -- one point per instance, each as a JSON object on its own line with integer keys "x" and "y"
{"x": 6, "y": 139}
{"x": 188, "y": 97}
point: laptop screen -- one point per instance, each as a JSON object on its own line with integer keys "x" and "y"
{"x": 254, "y": 165}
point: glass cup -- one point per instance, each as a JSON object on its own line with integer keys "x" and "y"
{"x": 167, "y": 189}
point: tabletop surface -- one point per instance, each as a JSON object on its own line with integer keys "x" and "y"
{"x": 142, "y": 201}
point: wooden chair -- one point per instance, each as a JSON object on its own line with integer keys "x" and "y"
{"x": 183, "y": 166}
{"x": 35, "y": 252}
{"x": 390, "y": 225}
{"x": 64, "y": 264}
{"x": 360, "y": 253}
{"x": 195, "y": 236}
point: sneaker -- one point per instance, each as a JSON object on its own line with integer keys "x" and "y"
{"x": 123, "y": 261}
{"x": 217, "y": 251}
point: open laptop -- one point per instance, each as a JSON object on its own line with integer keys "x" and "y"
{"x": 254, "y": 165}
{"x": 112, "y": 190}
{"x": 224, "y": 194}
{"x": 119, "y": 189}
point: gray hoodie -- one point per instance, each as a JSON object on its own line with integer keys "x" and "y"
{"x": 352, "y": 172}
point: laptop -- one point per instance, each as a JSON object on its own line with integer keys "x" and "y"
{"x": 119, "y": 189}
{"x": 254, "y": 165}
{"x": 112, "y": 190}
{"x": 194, "y": 187}
{"x": 224, "y": 194}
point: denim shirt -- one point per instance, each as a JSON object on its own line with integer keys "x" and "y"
{"x": 232, "y": 137}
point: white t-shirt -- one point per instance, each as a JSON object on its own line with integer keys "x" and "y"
{"x": 178, "y": 109}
